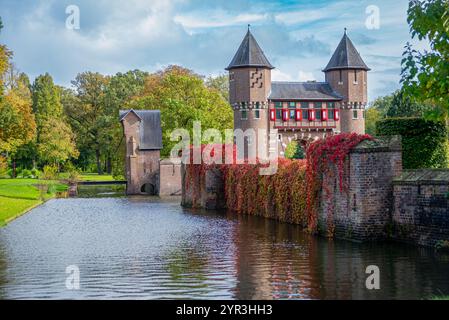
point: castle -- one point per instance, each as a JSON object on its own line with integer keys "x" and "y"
{"x": 301, "y": 111}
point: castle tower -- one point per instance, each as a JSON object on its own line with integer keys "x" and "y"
{"x": 348, "y": 75}
{"x": 249, "y": 86}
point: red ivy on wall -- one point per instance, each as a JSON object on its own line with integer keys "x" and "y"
{"x": 292, "y": 194}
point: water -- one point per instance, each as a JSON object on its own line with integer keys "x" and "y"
{"x": 150, "y": 248}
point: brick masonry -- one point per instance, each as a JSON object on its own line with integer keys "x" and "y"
{"x": 421, "y": 207}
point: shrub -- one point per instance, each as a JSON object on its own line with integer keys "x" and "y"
{"x": 424, "y": 142}
{"x": 294, "y": 151}
{"x": 50, "y": 173}
{"x": 26, "y": 174}
{"x": 35, "y": 173}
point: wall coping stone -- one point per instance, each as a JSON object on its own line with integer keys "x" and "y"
{"x": 379, "y": 144}
{"x": 423, "y": 177}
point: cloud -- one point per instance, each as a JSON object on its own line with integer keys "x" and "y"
{"x": 115, "y": 36}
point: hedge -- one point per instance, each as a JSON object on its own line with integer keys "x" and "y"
{"x": 424, "y": 142}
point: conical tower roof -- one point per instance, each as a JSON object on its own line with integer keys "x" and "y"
{"x": 346, "y": 56}
{"x": 249, "y": 54}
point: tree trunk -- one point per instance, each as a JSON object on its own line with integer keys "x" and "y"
{"x": 99, "y": 167}
{"x": 109, "y": 165}
{"x": 14, "y": 169}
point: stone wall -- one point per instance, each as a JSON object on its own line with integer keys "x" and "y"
{"x": 363, "y": 210}
{"x": 170, "y": 178}
{"x": 421, "y": 207}
{"x": 203, "y": 192}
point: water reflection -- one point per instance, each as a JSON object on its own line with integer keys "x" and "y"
{"x": 150, "y": 248}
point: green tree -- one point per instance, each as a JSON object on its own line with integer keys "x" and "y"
{"x": 219, "y": 83}
{"x": 86, "y": 110}
{"x": 183, "y": 98}
{"x": 425, "y": 75}
{"x": 58, "y": 142}
{"x": 55, "y": 140}
{"x": 121, "y": 89}
{"x": 373, "y": 115}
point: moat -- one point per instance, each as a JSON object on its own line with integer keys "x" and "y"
{"x": 152, "y": 248}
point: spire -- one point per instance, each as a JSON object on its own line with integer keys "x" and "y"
{"x": 249, "y": 54}
{"x": 346, "y": 56}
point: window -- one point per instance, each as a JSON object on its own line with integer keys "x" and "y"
{"x": 318, "y": 115}
{"x": 278, "y": 105}
{"x": 278, "y": 114}
{"x": 355, "y": 114}
{"x": 244, "y": 114}
{"x": 304, "y": 105}
{"x": 292, "y": 114}
{"x": 355, "y": 76}
{"x": 305, "y": 114}
{"x": 331, "y": 114}
{"x": 318, "y": 105}
{"x": 292, "y": 105}
{"x": 256, "y": 114}
{"x": 331, "y": 105}
{"x": 341, "y": 77}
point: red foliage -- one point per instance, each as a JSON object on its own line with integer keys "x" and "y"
{"x": 322, "y": 155}
{"x": 292, "y": 194}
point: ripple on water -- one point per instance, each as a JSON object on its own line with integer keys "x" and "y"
{"x": 145, "y": 248}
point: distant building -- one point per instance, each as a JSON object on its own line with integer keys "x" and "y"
{"x": 299, "y": 110}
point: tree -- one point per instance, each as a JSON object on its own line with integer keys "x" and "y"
{"x": 58, "y": 142}
{"x": 121, "y": 89}
{"x": 55, "y": 139}
{"x": 373, "y": 115}
{"x": 220, "y": 83}
{"x": 183, "y": 98}
{"x": 425, "y": 75}
{"x": 17, "y": 125}
{"x": 86, "y": 111}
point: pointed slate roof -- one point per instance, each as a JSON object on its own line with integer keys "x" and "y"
{"x": 150, "y": 128}
{"x": 346, "y": 56}
{"x": 249, "y": 54}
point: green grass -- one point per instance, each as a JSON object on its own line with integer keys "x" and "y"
{"x": 19, "y": 195}
{"x": 95, "y": 177}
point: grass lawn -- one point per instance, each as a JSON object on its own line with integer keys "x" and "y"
{"x": 95, "y": 177}
{"x": 19, "y": 195}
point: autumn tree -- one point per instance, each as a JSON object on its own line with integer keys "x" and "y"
{"x": 183, "y": 98}
{"x": 425, "y": 75}
{"x": 17, "y": 124}
{"x": 55, "y": 141}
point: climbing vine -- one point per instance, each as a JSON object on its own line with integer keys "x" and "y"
{"x": 325, "y": 159}
{"x": 292, "y": 194}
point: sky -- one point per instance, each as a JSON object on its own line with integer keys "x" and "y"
{"x": 298, "y": 37}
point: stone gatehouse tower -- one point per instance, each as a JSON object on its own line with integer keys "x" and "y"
{"x": 143, "y": 138}
{"x": 301, "y": 111}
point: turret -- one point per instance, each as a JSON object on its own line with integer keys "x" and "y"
{"x": 250, "y": 85}
{"x": 347, "y": 74}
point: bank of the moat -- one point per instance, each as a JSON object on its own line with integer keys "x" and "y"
{"x": 152, "y": 248}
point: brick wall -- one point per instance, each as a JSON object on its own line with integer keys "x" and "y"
{"x": 421, "y": 207}
{"x": 363, "y": 211}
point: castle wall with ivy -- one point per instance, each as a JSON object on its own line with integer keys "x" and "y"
{"x": 362, "y": 211}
